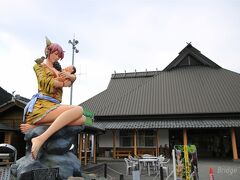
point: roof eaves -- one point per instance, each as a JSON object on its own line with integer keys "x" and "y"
{"x": 170, "y": 124}
{"x": 6, "y": 106}
{"x": 14, "y": 101}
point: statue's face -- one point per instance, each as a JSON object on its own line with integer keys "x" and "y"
{"x": 54, "y": 56}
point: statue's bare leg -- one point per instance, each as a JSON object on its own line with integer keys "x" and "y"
{"x": 26, "y": 127}
{"x": 60, "y": 117}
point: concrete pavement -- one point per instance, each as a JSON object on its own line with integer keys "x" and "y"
{"x": 223, "y": 170}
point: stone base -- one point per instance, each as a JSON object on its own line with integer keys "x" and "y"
{"x": 54, "y": 153}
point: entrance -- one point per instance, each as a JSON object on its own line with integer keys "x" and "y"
{"x": 214, "y": 143}
{"x": 1, "y": 137}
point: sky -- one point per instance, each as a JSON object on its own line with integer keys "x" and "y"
{"x": 113, "y": 35}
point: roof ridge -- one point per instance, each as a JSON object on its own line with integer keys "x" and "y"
{"x": 197, "y": 56}
{"x": 134, "y": 74}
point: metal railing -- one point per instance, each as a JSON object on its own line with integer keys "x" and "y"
{"x": 102, "y": 172}
{"x": 114, "y": 174}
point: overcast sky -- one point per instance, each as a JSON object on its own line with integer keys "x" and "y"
{"x": 113, "y": 35}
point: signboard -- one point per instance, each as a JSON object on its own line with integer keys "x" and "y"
{"x": 186, "y": 162}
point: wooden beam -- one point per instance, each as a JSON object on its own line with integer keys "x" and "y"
{"x": 80, "y": 146}
{"x": 7, "y": 140}
{"x": 157, "y": 144}
{"x": 85, "y": 149}
{"x": 8, "y": 137}
{"x": 185, "y": 139}
{"x": 135, "y": 142}
{"x": 114, "y": 144}
{"x": 234, "y": 144}
{"x": 95, "y": 149}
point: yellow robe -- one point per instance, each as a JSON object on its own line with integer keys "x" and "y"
{"x": 45, "y": 77}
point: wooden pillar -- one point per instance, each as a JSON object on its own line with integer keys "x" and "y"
{"x": 114, "y": 144}
{"x": 157, "y": 144}
{"x": 95, "y": 149}
{"x": 7, "y": 140}
{"x": 185, "y": 139}
{"x": 234, "y": 144}
{"x": 135, "y": 142}
{"x": 85, "y": 149}
{"x": 80, "y": 147}
{"x": 8, "y": 137}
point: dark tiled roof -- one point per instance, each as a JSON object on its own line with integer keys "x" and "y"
{"x": 185, "y": 90}
{"x": 7, "y": 100}
{"x": 200, "y": 87}
{"x": 94, "y": 129}
{"x": 4, "y": 96}
{"x": 170, "y": 124}
{"x": 116, "y": 88}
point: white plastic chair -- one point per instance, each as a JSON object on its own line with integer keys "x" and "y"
{"x": 129, "y": 165}
{"x": 163, "y": 164}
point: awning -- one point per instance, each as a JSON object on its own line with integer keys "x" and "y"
{"x": 169, "y": 124}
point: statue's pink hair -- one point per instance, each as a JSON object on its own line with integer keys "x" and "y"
{"x": 53, "y": 48}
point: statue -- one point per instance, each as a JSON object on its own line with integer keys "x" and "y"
{"x": 44, "y": 107}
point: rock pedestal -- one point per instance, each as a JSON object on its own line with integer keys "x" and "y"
{"x": 55, "y": 153}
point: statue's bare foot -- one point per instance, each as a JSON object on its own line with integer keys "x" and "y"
{"x": 37, "y": 143}
{"x": 26, "y": 127}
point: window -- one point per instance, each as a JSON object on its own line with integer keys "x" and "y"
{"x": 126, "y": 138}
{"x": 146, "y": 138}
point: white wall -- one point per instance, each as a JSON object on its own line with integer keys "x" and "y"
{"x": 163, "y": 137}
{"x": 106, "y": 140}
{"x": 117, "y": 141}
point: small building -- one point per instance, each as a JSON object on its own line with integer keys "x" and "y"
{"x": 192, "y": 101}
{"x": 11, "y": 111}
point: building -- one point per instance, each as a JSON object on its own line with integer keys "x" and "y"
{"x": 192, "y": 101}
{"x": 11, "y": 110}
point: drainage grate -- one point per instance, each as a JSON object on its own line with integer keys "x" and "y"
{"x": 4, "y": 173}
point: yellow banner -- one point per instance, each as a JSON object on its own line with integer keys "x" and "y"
{"x": 187, "y": 166}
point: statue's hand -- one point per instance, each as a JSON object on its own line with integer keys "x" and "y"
{"x": 65, "y": 75}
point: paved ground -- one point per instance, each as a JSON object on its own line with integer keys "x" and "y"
{"x": 223, "y": 170}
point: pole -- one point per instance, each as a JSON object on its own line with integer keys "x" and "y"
{"x": 105, "y": 170}
{"x": 114, "y": 144}
{"x": 185, "y": 139}
{"x": 161, "y": 173}
{"x": 135, "y": 143}
{"x": 73, "y": 48}
{"x": 234, "y": 145}
{"x": 74, "y": 42}
{"x": 174, "y": 165}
